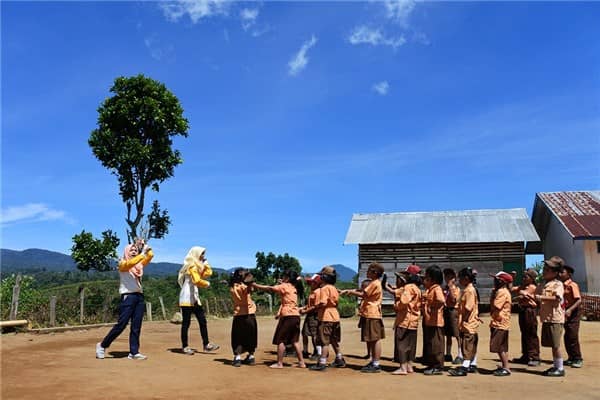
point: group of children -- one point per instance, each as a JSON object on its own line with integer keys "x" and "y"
{"x": 448, "y": 314}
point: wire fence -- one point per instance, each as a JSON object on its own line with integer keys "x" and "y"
{"x": 590, "y": 306}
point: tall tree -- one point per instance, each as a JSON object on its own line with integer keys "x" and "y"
{"x": 134, "y": 141}
{"x": 270, "y": 267}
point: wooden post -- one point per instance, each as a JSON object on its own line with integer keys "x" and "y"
{"x": 162, "y": 307}
{"x": 53, "y": 311}
{"x": 14, "y": 304}
{"x": 149, "y": 311}
{"x": 270, "y": 300}
{"x": 81, "y": 301}
{"x": 207, "y": 307}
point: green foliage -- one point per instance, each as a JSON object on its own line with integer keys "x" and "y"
{"x": 90, "y": 253}
{"x": 347, "y": 306}
{"x": 538, "y": 267}
{"x": 134, "y": 141}
{"x": 29, "y": 296}
{"x": 269, "y": 268}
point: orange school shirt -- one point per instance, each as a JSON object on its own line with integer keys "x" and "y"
{"x": 552, "y": 310}
{"x": 433, "y": 306}
{"x": 572, "y": 293}
{"x": 408, "y": 306}
{"x": 468, "y": 313}
{"x": 525, "y": 301}
{"x": 370, "y": 306}
{"x": 500, "y": 309}
{"x": 289, "y": 299}
{"x": 455, "y": 291}
{"x": 242, "y": 301}
{"x": 327, "y": 303}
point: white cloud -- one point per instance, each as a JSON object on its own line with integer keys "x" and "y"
{"x": 300, "y": 60}
{"x": 399, "y": 10}
{"x": 195, "y": 9}
{"x": 248, "y": 17}
{"x": 32, "y": 212}
{"x": 364, "y": 35}
{"x": 381, "y": 87}
{"x": 157, "y": 50}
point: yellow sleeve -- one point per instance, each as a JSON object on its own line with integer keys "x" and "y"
{"x": 197, "y": 278}
{"x": 206, "y": 271}
{"x": 148, "y": 258}
{"x": 126, "y": 265}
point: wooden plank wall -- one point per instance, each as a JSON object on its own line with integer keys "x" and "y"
{"x": 484, "y": 257}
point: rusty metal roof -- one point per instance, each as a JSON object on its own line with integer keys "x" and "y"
{"x": 578, "y": 212}
{"x": 474, "y": 226}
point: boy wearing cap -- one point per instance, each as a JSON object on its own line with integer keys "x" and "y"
{"x": 372, "y": 330}
{"x": 500, "y": 304}
{"x": 311, "y": 320}
{"x": 550, "y": 296}
{"x": 328, "y": 330}
{"x": 530, "y": 343}
{"x": 572, "y": 315}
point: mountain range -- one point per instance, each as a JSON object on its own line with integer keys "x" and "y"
{"x": 39, "y": 259}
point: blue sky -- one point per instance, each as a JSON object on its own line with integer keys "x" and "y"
{"x": 301, "y": 114}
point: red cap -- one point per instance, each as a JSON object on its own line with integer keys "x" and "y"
{"x": 413, "y": 269}
{"x": 315, "y": 278}
{"x": 503, "y": 276}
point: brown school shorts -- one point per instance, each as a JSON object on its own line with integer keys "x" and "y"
{"x": 468, "y": 344}
{"x": 287, "y": 331}
{"x": 328, "y": 332}
{"x": 372, "y": 330}
{"x": 551, "y": 334}
{"x": 311, "y": 323}
{"x": 498, "y": 340}
{"x": 451, "y": 322}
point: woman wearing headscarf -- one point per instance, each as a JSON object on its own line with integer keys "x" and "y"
{"x": 192, "y": 276}
{"x": 132, "y": 300}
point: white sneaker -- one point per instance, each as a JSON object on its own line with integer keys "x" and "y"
{"x": 188, "y": 351}
{"x": 99, "y": 351}
{"x": 138, "y": 356}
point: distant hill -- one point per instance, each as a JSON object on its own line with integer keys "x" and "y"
{"x": 38, "y": 259}
{"x": 345, "y": 274}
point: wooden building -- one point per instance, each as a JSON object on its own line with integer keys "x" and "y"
{"x": 485, "y": 240}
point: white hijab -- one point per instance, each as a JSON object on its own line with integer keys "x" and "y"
{"x": 192, "y": 259}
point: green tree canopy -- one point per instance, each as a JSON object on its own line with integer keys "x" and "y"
{"x": 90, "y": 253}
{"x": 134, "y": 141}
{"x": 270, "y": 267}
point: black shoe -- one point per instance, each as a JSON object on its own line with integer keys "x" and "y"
{"x": 472, "y": 369}
{"x": 520, "y": 360}
{"x": 371, "y": 368}
{"x": 432, "y": 371}
{"x": 314, "y": 357}
{"x": 554, "y": 372}
{"x": 305, "y": 354}
{"x": 448, "y": 357}
{"x": 501, "y": 372}
{"x": 568, "y": 363}
{"x": 457, "y": 361}
{"x": 237, "y": 363}
{"x": 460, "y": 371}
{"x": 533, "y": 363}
{"x": 318, "y": 367}
{"x": 249, "y": 361}
{"x": 339, "y": 363}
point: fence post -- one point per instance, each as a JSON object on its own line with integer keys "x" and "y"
{"x": 149, "y": 311}
{"x": 14, "y": 304}
{"x": 270, "y": 300}
{"x": 162, "y": 307}
{"x": 207, "y": 306}
{"x": 53, "y": 311}
{"x": 81, "y": 302}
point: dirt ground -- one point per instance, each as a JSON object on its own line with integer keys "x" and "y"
{"x": 63, "y": 366}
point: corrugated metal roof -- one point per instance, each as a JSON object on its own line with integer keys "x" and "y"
{"x": 474, "y": 226}
{"x": 579, "y": 212}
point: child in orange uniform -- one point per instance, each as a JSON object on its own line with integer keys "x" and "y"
{"x": 433, "y": 321}
{"x": 311, "y": 320}
{"x": 452, "y": 293}
{"x": 500, "y": 305}
{"x": 530, "y": 343}
{"x": 243, "y": 327}
{"x": 288, "y": 327}
{"x": 572, "y": 315}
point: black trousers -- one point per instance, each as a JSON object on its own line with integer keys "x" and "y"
{"x": 572, "y": 337}
{"x": 186, "y": 313}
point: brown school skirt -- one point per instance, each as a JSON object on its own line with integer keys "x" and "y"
{"x": 287, "y": 331}
{"x": 551, "y": 334}
{"x": 498, "y": 340}
{"x": 468, "y": 345}
{"x": 372, "y": 330}
{"x": 309, "y": 328}
{"x": 406, "y": 345}
{"x": 451, "y": 322}
{"x": 328, "y": 332}
{"x": 243, "y": 334}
